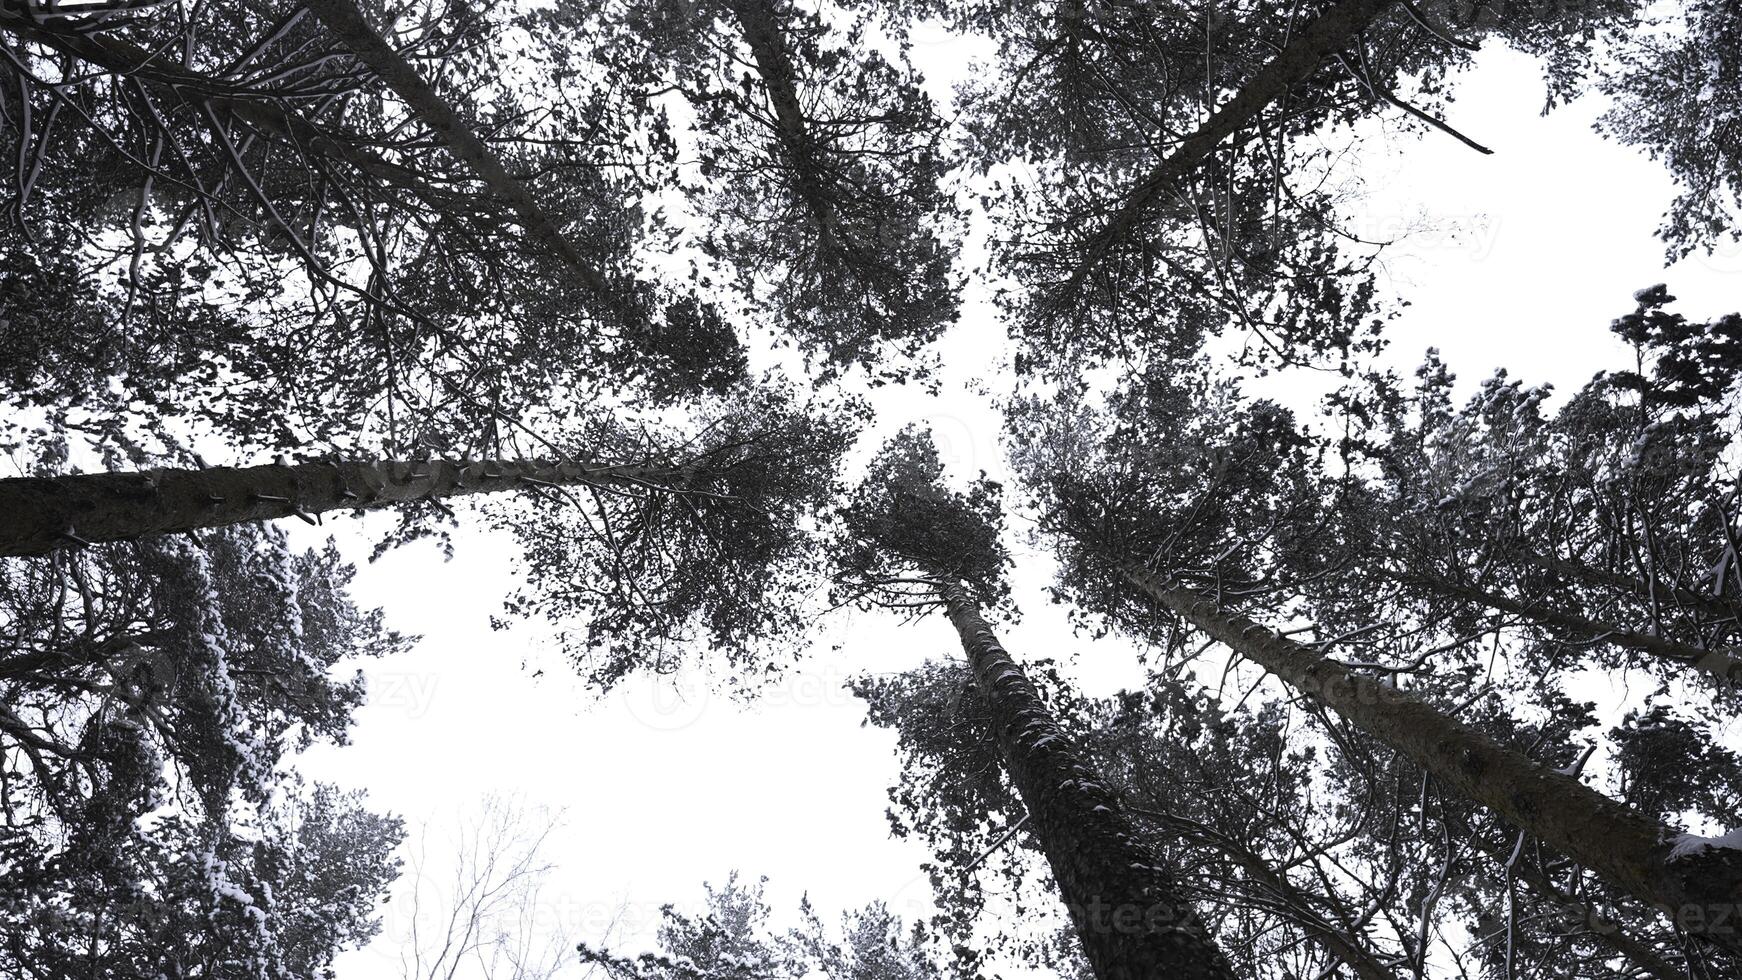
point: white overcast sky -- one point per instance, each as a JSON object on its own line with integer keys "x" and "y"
{"x": 1532, "y": 252}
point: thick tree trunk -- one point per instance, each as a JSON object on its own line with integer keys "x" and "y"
{"x": 1721, "y": 664}
{"x": 1701, "y": 892}
{"x": 347, "y": 23}
{"x": 1132, "y": 922}
{"x": 1315, "y": 42}
{"x": 38, "y": 515}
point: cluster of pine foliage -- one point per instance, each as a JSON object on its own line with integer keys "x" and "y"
{"x": 620, "y": 280}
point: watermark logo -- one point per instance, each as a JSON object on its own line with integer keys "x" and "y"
{"x": 667, "y": 702}
{"x": 408, "y": 691}
{"x": 1470, "y": 236}
{"x": 1723, "y": 256}
{"x": 670, "y": 702}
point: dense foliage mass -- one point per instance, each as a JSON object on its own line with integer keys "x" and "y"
{"x": 1436, "y": 680}
{"x": 152, "y": 694}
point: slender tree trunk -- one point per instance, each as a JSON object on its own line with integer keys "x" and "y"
{"x": 1606, "y": 932}
{"x": 760, "y": 23}
{"x": 1331, "y": 936}
{"x": 1720, "y": 663}
{"x": 1684, "y": 598}
{"x": 1315, "y": 42}
{"x": 1127, "y": 911}
{"x": 38, "y": 515}
{"x": 1701, "y": 892}
{"x": 270, "y": 115}
{"x": 347, "y": 22}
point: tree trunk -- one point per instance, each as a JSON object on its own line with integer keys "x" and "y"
{"x": 1302, "y": 907}
{"x": 272, "y": 116}
{"x": 347, "y": 22}
{"x": 1700, "y": 892}
{"x": 1684, "y": 598}
{"x": 762, "y": 34}
{"x": 45, "y": 513}
{"x": 1297, "y": 61}
{"x": 1126, "y": 909}
{"x": 1722, "y": 664}
{"x": 1606, "y": 932}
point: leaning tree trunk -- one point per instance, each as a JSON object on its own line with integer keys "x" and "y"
{"x": 1584, "y": 916}
{"x": 347, "y": 23}
{"x": 262, "y": 111}
{"x": 763, "y": 32}
{"x": 40, "y": 514}
{"x": 1126, "y": 908}
{"x": 1330, "y": 32}
{"x": 1700, "y": 891}
{"x": 1721, "y": 664}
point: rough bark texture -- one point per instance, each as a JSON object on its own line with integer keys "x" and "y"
{"x": 1325, "y": 36}
{"x": 346, "y": 22}
{"x": 1701, "y": 893}
{"x": 1719, "y": 663}
{"x": 38, "y": 515}
{"x": 1132, "y": 922}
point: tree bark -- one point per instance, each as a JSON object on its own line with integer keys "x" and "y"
{"x": 347, "y": 22}
{"x": 1127, "y": 912}
{"x": 1323, "y": 37}
{"x": 41, "y": 514}
{"x": 1700, "y": 892}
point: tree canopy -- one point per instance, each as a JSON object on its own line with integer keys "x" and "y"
{"x": 1420, "y": 678}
